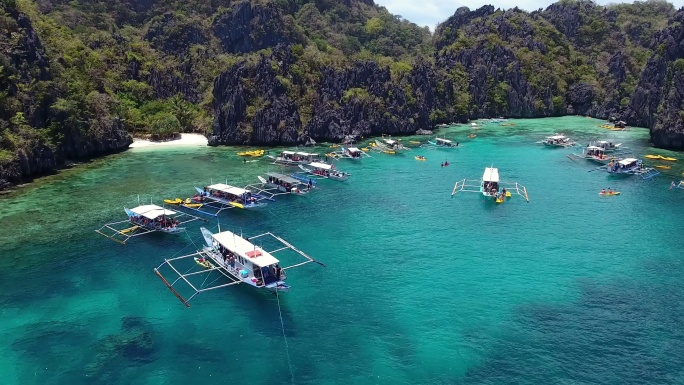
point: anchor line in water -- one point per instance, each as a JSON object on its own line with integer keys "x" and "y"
{"x": 287, "y": 347}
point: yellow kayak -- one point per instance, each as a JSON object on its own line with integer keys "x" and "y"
{"x": 499, "y": 200}
{"x": 235, "y": 204}
{"x": 472, "y": 135}
{"x": 204, "y": 263}
{"x": 508, "y": 194}
{"x": 173, "y": 201}
{"x": 391, "y": 152}
{"x": 335, "y": 146}
{"x": 193, "y": 205}
{"x": 650, "y": 156}
{"x": 663, "y": 167}
{"x": 419, "y": 157}
{"x": 608, "y": 194}
{"x": 414, "y": 142}
{"x": 365, "y": 149}
{"x": 669, "y": 159}
{"x": 373, "y": 144}
{"x": 128, "y": 230}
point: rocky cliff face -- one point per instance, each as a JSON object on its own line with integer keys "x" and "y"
{"x": 658, "y": 101}
{"x": 25, "y": 111}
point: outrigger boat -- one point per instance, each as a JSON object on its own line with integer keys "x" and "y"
{"x": 391, "y": 145}
{"x": 350, "y": 153}
{"x": 608, "y": 146}
{"x": 280, "y": 184}
{"x": 441, "y": 142}
{"x": 631, "y": 166}
{"x": 232, "y": 259}
{"x": 322, "y": 171}
{"x": 491, "y": 187}
{"x": 291, "y": 158}
{"x": 593, "y": 154}
{"x": 219, "y": 197}
{"x": 145, "y": 219}
{"x": 557, "y": 140}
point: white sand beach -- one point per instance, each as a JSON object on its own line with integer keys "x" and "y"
{"x": 185, "y": 140}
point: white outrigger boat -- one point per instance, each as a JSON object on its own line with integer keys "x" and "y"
{"x": 216, "y": 198}
{"x": 443, "y": 143}
{"x": 280, "y": 184}
{"x": 631, "y": 166}
{"x": 321, "y": 171}
{"x": 232, "y": 259}
{"x": 389, "y": 145}
{"x": 608, "y": 146}
{"x": 557, "y": 140}
{"x": 594, "y": 154}
{"x": 291, "y": 158}
{"x": 491, "y": 187}
{"x": 350, "y": 153}
{"x": 145, "y": 219}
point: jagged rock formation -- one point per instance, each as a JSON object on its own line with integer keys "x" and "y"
{"x": 658, "y": 100}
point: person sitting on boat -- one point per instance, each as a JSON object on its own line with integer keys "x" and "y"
{"x": 610, "y": 190}
{"x": 603, "y": 191}
{"x": 503, "y": 192}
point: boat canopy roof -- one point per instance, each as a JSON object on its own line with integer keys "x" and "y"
{"x": 443, "y": 140}
{"x": 283, "y": 178}
{"x": 594, "y": 148}
{"x": 151, "y": 211}
{"x": 627, "y": 161}
{"x": 602, "y": 142}
{"x": 288, "y": 152}
{"x": 245, "y": 249}
{"x": 557, "y": 137}
{"x": 390, "y": 141}
{"x": 228, "y": 189}
{"x": 491, "y": 174}
{"x": 353, "y": 149}
{"x": 306, "y": 154}
{"x": 322, "y": 166}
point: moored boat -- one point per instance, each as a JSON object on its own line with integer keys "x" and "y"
{"x": 145, "y": 219}
{"x": 631, "y": 166}
{"x": 324, "y": 171}
{"x": 387, "y": 144}
{"x": 233, "y": 259}
{"x": 593, "y": 154}
{"x": 350, "y": 153}
{"x": 292, "y": 158}
{"x": 279, "y": 184}
{"x": 491, "y": 187}
{"x": 442, "y": 142}
{"x": 557, "y": 140}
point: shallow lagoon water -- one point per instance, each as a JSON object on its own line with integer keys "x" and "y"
{"x": 419, "y": 287}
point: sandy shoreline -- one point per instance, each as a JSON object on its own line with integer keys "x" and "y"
{"x": 185, "y": 140}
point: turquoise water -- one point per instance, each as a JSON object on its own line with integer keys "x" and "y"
{"x": 419, "y": 287}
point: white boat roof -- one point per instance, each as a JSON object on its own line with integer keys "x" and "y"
{"x": 283, "y": 178}
{"x": 353, "y": 149}
{"x": 594, "y": 148}
{"x": 602, "y": 141}
{"x": 151, "y": 211}
{"x": 557, "y": 137}
{"x": 491, "y": 174}
{"x": 627, "y": 161}
{"x": 323, "y": 166}
{"x": 443, "y": 140}
{"x": 306, "y": 154}
{"x": 390, "y": 141}
{"x": 228, "y": 189}
{"x": 242, "y": 247}
{"x": 288, "y": 152}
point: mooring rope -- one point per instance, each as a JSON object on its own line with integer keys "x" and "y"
{"x": 287, "y": 347}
